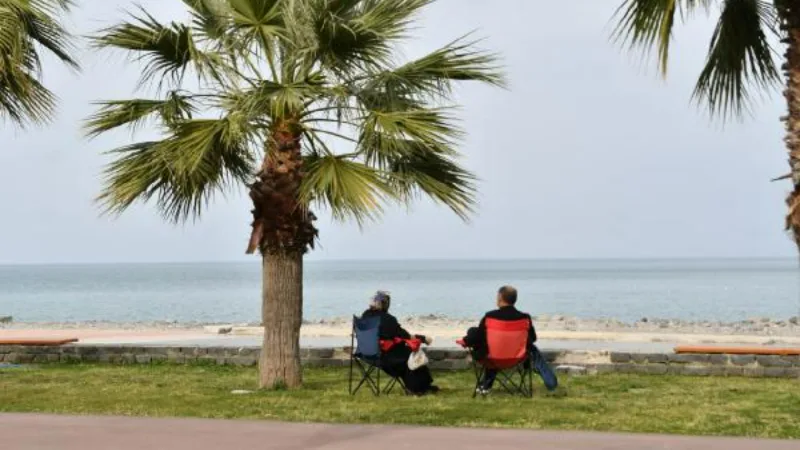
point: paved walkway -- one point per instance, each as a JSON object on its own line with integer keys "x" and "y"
{"x": 42, "y": 432}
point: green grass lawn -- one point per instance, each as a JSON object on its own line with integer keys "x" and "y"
{"x": 653, "y": 404}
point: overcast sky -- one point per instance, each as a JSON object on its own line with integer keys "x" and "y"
{"x": 589, "y": 154}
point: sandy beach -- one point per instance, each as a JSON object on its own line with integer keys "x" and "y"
{"x": 567, "y": 331}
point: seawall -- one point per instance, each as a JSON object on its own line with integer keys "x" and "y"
{"x": 455, "y": 359}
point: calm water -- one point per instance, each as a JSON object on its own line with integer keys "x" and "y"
{"x": 223, "y": 292}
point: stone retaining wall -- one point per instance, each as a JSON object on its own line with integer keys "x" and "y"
{"x": 569, "y": 361}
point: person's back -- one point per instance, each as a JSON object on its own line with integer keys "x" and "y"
{"x": 506, "y": 311}
{"x": 394, "y": 361}
{"x": 509, "y": 313}
{"x": 390, "y": 328}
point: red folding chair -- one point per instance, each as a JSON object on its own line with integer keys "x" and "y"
{"x": 509, "y": 355}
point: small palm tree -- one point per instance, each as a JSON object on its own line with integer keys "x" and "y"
{"x": 301, "y": 102}
{"x": 741, "y": 58}
{"x": 26, "y": 28}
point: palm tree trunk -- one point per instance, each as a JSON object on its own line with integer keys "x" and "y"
{"x": 789, "y": 13}
{"x": 283, "y": 230}
{"x": 282, "y": 315}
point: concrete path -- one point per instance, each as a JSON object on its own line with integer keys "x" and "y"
{"x": 42, "y": 432}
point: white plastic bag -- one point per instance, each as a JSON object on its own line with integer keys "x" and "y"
{"x": 417, "y": 359}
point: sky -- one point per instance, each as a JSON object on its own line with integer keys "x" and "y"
{"x": 588, "y": 154}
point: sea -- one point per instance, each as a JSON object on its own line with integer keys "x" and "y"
{"x": 627, "y": 290}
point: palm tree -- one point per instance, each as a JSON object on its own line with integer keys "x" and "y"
{"x": 301, "y": 102}
{"x": 741, "y": 59}
{"x": 26, "y": 28}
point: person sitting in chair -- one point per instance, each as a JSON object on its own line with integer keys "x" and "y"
{"x": 394, "y": 361}
{"x": 476, "y": 336}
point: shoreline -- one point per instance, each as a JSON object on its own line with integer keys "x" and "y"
{"x": 757, "y": 330}
{"x": 756, "y": 325}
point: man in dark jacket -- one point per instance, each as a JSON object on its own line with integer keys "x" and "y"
{"x": 506, "y": 311}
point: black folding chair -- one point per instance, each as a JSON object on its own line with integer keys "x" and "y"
{"x": 365, "y": 354}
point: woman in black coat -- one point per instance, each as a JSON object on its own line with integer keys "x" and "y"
{"x": 395, "y": 361}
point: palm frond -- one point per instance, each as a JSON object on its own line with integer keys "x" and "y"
{"x": 44, "y": 28}
{"x": 431, "y": 127}
{"x": 26, "y": 28}
{"x": 349, "y": 35}
{"x": 381, "y": 150}
{"x": 434, "y": 73}
{"x": 23, "y": 99}
{"x": 648, "y": 24}
{"x": 134, "y": 113}
{"x": 137, "y": 172}
{"x": 390, "y": 20}
{"x": 260, "y": 22}
{"x": 210, "y": 17}
{"x": 203, "y": 142}
{"x": 183, "y": 172}
{"x": 416, "y": 150}
{"x": 347, "y": 188}
{"x": 740, "y": 57}
{"x": 425, "y": 171}
{"x": 339, "y": 101}
{"x": 377, "y": 99}
{"x": 277, "y": 100}
{"x": 166, "y": 50}
{"x": 50, "y": 7}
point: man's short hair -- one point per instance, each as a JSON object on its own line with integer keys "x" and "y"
{"x": 508, "y": 294}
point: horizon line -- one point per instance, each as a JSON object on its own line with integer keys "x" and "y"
{"x": 347, "y": 260}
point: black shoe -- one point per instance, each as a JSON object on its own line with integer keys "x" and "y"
{"x": 433, "y": 389}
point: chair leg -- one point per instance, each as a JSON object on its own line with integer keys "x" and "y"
{"x": 388, "y": 389}
{"x": 479, "y": 373}
{"x": 515, "y": 383}
{"x": 523, "y": 384}
{"x": 352, "y": 354}
{"x": 507, "y": 382}
{"x": 376, "y": 384}
{"x": 379, "y": 382}
{"x": 350, "y": 382}
{"x": 517, "y": 380}
{"x": 366, "y": 378}
{"x": 402, "y": 385}
{"x": 530, "y": 382}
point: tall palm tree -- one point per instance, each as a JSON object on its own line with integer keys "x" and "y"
{"x": 742, "y": 58}
{"x": 302, "y": 102}
{"x": 26, "y": 28}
